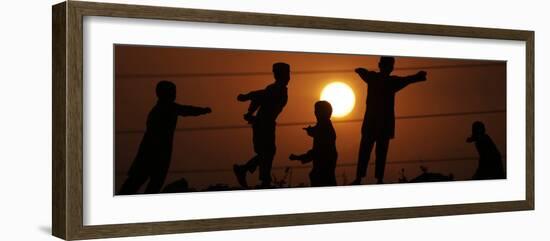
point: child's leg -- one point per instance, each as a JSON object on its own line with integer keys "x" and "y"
{"x": 265, "y": 147}
{"x": 382, "y": 146}
{"x": 157, "y": 181}
{"x": 252, "y": 164}
{"x": 132, "y": 184}
{"x": 365, "y": 148}
{"x": 313, "y": 179}
{"x": 265, "y": 168}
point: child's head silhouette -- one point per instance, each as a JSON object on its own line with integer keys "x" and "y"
{"x": 386, "y": 64}
{"x": 281, "y": 72}
{"x": 166, "y": 91}
{"x": 323, "y": 110}
{"x": 478, "y": 129}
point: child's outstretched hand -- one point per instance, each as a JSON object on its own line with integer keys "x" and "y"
{"x": 207, "y": 110}
{"x": 249, "y": 117}
{"x": 361, "y": 71}
{"x": 242, "y": 97}
{"x": 309, "y": 130}
{"x": 300, "y": 158}
{"x": 422, "y": 75}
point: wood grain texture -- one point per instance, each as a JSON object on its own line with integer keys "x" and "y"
{"x": 74, "y": 121}
{"x": 121, "y": 230}
{"x": 59, "y": 181}
{"x": 530, "y": 120}
{"x": 279, "y": 20}
{"x": 67, "y": 197}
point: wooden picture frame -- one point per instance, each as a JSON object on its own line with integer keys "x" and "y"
{"x": 67, "y": 77}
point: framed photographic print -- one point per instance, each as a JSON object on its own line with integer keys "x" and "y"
{"x": 171, "y": 120}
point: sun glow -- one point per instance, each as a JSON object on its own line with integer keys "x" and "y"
{"x": 340, "y": 96}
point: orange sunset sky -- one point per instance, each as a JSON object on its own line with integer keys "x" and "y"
{"x": 206, "y": 147}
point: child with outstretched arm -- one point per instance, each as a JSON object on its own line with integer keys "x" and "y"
{"x": 154, "y": 154}
{"x": 323, "y": 154}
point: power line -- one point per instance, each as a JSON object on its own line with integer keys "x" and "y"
{"x": 230, "y": 74}
{"x": 229, "y": 127}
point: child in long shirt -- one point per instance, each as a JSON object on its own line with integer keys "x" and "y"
{"x": 155, "y": 150}
{"x": 323, "y": 154}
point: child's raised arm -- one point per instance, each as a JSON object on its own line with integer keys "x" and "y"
{"x": 402, "y": 82}
{"x": 364, "y": 74}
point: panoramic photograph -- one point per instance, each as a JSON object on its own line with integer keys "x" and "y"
{"x": 207, "y": 119}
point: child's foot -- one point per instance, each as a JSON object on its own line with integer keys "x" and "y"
{"x": 266, "y": 185}
{"x": 357, "y": 181}
{"x": 240, "y": 173}
{"x": 380, "y": 181}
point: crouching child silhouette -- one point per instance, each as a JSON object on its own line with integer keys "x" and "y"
{"x": 323, "y": 154}
{"x": 490, "y": 162}
{"x": 155, "y": 150}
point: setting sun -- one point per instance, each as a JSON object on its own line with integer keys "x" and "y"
{"x": 340, "y": 96}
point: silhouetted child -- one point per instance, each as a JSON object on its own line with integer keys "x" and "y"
{"x": 155, "y": 150}
{"x": 490, "y": 161}
{"x": 379, "y": 121}
{"x": 323, "y": 154}
{"x": 268, "y": 103}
